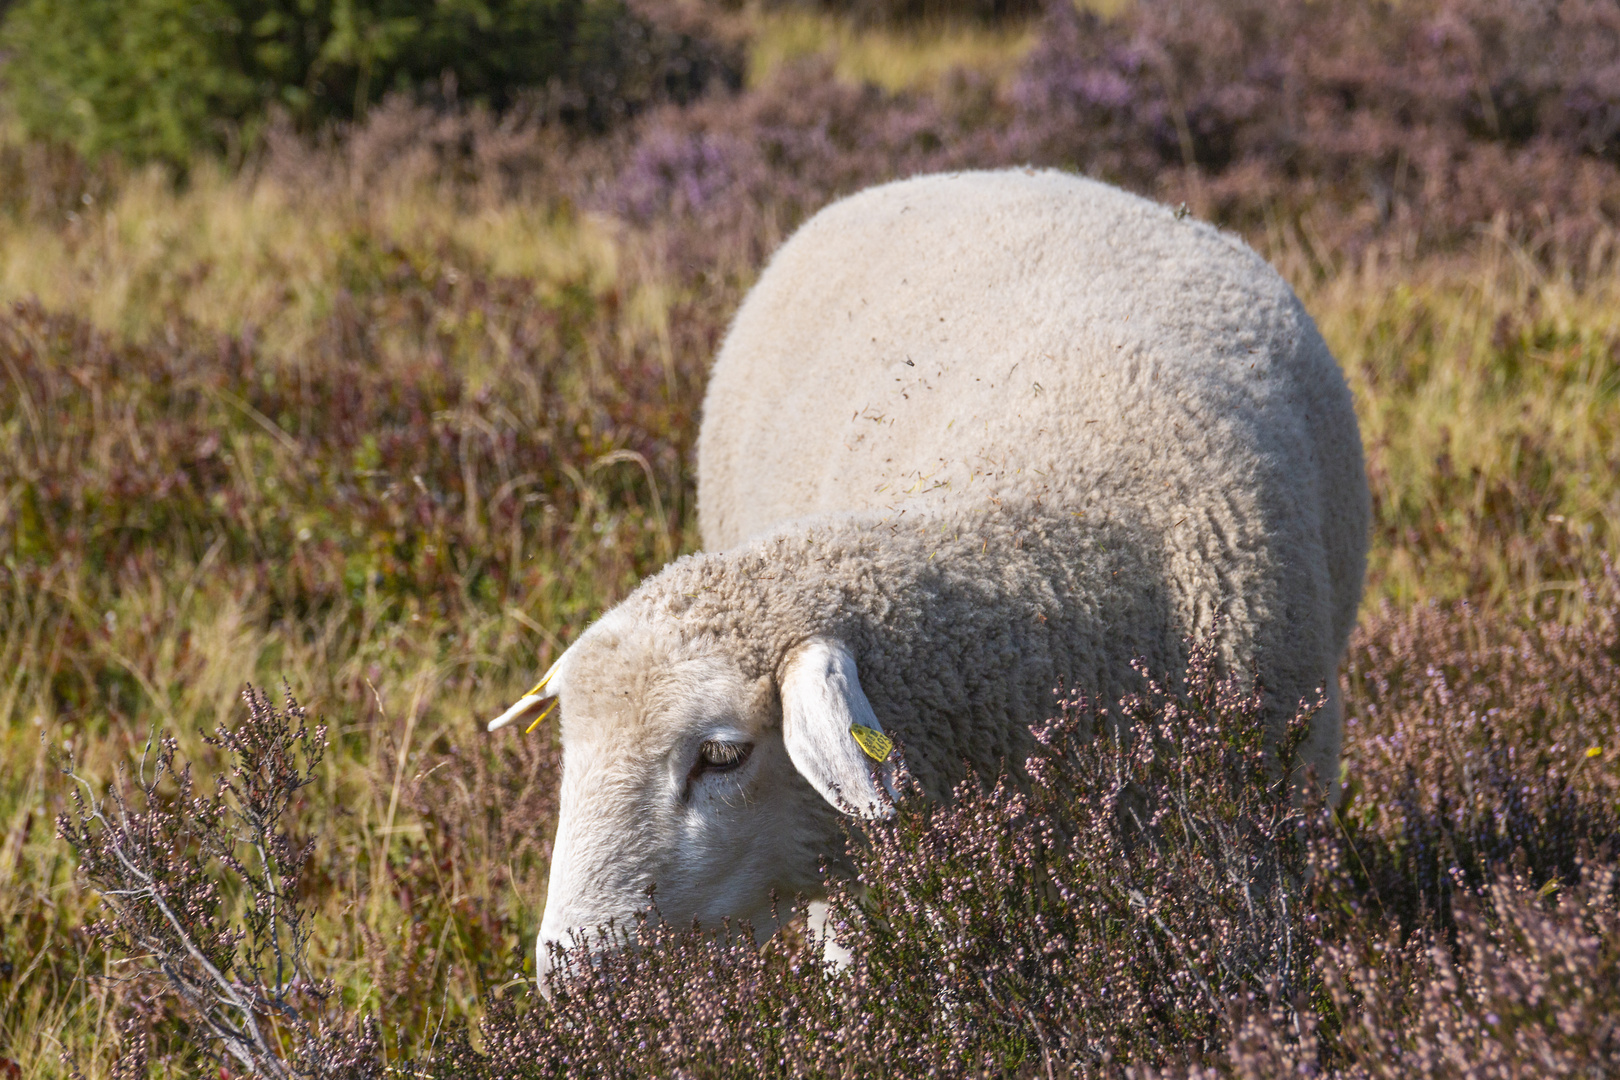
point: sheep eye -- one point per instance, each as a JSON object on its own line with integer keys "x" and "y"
{"x": 716, "y": 756}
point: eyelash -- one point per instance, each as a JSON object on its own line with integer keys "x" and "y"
{"x": 717, "y": 756}
{"x": 732, "y": 756}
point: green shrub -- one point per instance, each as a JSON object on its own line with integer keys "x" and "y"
{"x": 161, "y": 79}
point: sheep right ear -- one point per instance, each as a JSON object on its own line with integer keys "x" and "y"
{"x": 532, "y": 706}
{"x": 823, "y": 707}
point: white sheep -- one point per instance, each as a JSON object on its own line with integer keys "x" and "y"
{"x": 970, "y": 438}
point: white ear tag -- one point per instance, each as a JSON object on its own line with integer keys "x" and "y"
{"x": 832, "y": 734}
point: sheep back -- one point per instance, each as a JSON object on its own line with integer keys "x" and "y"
{"x": 1039, "y": 340}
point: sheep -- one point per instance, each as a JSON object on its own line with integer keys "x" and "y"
{"x": 969, "y": 439}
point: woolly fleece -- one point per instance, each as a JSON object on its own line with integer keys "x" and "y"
{"x": 1045, "y": 346}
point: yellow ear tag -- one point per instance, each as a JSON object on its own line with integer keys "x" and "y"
{"x": 877, "y": 745}
{"x": 539, "y": 686}
{"x": 530, "y": 729}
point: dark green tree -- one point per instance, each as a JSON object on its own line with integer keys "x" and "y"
{"x": 161, "y": 79}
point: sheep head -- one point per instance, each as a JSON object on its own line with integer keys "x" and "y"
{"x": 691, "y": 781}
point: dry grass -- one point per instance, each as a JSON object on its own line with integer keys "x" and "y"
{"x": 393, "y": 440}
{"x": 243, "y": 255}
{"x": 1489, "y": 400}
{"x": 1486, "y": 384}
{"x": 909, "y": 58}
{"x": 307, "y": 551}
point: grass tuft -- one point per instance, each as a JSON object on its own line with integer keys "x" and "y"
{"x": 389, "y": 417}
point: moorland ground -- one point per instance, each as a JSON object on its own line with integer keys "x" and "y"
{"x": 386, "y": 416}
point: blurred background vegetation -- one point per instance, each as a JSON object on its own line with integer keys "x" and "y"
{"x": 358, "y": 346}
{"x": 170, "y": 79}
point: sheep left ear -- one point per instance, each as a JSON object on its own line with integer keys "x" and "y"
{"x": 823, "y": 706}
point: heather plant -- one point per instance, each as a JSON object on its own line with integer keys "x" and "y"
{"x": 1527, "y": 989}
{"x": 1150, "y": 894}
{"x": 201, "y": 894}
{"x": 899, "y": 11}
{"x": 1347, "y": 125}
{"x": 1155, "y": 898}
{"x": 726, "y": 180}
{"x": 1100, "y": 909}
{"x": 1436, "y": 118}
{"x": 1524, "y": 986}
{"x": 392, "y": 412}
{"x": 1478, "y": 747}
{"x": 1152, "y": 869}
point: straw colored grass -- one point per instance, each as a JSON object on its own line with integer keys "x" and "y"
{"x": 909, "y": 58}
{"x": 472, "y": 433}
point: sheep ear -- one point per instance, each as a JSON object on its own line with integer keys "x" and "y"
{"x": 534, "y": 705}
{"x": 822, "y": 706}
